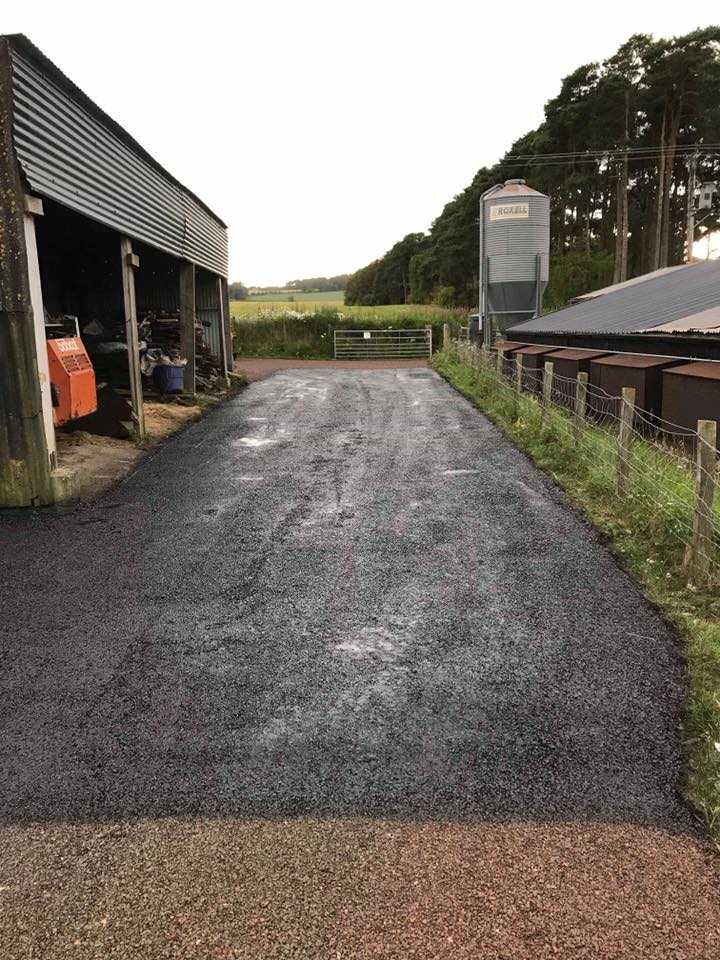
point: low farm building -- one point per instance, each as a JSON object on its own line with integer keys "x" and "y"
{"x": 659, "y": 333}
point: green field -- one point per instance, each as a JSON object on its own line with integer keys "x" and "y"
{"x": 305, "y": 330}
{"x": 325, "y": 297}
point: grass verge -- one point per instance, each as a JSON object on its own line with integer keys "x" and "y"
{"x": 644, "y": 530}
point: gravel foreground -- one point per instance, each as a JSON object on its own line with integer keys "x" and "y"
{"x": 337, "y": 673}
{"x": 356, "y": 888}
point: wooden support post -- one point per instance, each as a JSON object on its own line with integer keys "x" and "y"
{"x": 627, "y": 417}
{"x": 548, "y": 373}
{"x": 499, "y": 361}
{"x": 580, "y": 405}
{"x": 518, "y": 373}
{"x": 24, "y": 462}
{"x": 187, "y": 324}
{"x": 34, "y": 208}
{"x": 228, "y": 324}
{"x": 128, "y": 264}
{"x": 428, "y": 334}
{"x": 700, "y": 549}
{"x": 221, "y": 332}
{"x": 446, "y": 334}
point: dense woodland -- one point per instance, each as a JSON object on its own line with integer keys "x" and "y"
{"x": 612, "y": 153}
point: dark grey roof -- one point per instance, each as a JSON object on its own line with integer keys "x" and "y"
{"x": 637, "y": 307}
{"x": 70, "y": 151}
{"x": 28, "y": 48}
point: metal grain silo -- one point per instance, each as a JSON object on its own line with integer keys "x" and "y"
{"x": 514, "y": 252}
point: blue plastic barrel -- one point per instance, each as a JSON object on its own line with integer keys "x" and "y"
{"x": 169, "y": 377}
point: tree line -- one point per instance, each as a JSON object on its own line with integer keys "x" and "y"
{"x": 613, "y": 155}
{"x": 239, "y": 291}
{"x": 319, "y": 284}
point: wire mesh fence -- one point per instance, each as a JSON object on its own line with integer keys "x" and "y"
{"x": 666, "y": 474}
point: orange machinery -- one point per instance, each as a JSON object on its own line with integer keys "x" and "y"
{"x": 72, "y": 380}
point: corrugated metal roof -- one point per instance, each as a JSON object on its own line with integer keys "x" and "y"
{"x": 635, "y": 308}
{"x": 507, "y": 345}
{"x": 707, "y": 321}
{"x": 707, "y": 370}
{"x": 628, "y": 283}
{"x": 74, "y": 153}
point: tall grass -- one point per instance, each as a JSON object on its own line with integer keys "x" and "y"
{"x": 646, "y": 530}
{"x": 308, "y": 334}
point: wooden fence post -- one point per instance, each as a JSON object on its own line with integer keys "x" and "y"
{"x": 518, "y": 373}
{"x": 580, "y": 405}
{"x": 627, "y": 417}
{"x": 699, "y": 552}
{"x": 446, "y": 334}
{"x": 548, "y": 373}
{"x": 499, "y": 362}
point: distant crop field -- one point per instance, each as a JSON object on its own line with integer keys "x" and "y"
{"x": 251, "y": 309}
{"x": 325, "y": 297}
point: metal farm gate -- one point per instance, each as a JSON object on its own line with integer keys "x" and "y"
{"x": 388, "y": 344}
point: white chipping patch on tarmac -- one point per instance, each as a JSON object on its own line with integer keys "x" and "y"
{"x": 458, "y": 473}
{"x": 257, "y": 419}
{"x": 369, "y": 642}
{"x": 254, "y": 441}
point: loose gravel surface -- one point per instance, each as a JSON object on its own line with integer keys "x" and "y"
{"x": 337, "y": 673}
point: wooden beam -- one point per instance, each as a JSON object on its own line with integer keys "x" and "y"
{"x": 24, "y": 462}
{"x": 38, "y": 310}
{"x": 187, "y": 323}
{"x": 128, "y": 260}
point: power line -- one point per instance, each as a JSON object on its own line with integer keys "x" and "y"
{"x": 680, "y": 149}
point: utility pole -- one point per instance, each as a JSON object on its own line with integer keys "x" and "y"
{"x": 692, "y": 177}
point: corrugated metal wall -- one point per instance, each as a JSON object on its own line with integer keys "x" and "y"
{"x": 207, "y": 310}
{"x": 68, "y": 154}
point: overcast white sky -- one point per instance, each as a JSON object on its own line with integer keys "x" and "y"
{"x": 323, "y": 131}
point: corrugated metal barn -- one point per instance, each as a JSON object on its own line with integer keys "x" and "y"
{"x": 96, "y": 231}
{"x": 671, "y": 312}
{"x": 637, "y": 334}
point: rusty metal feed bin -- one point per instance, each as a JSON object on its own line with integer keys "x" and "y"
{"x": 691, "y": 392}
{"x": 567, "y": 365}
{"x": 508, "y": 348}
{"x": 533, "y": 359}
{"x": 611, "y": 374}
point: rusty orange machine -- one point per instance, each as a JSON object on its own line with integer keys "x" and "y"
{"x": 72, "y": 380}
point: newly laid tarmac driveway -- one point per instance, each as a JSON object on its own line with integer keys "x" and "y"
{"x": 337, "y": 673}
